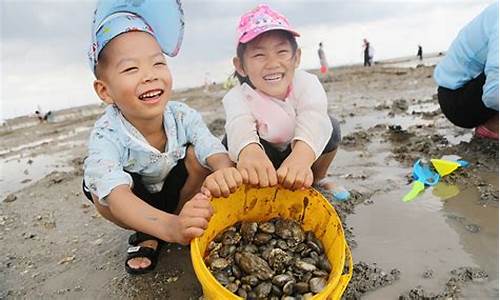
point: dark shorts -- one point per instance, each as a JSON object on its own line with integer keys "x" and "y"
{"x": 167, "y": 199}
{"x": 464, "y": 107}
{"x": 277, "y": 156}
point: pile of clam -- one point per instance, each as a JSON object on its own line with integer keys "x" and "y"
{"x": 275, "y": 259}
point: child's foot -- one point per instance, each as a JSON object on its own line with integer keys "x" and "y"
{"x": 483, "y": 132}
{"x": 338, "y": 191}
{"x": 143, "y": 254}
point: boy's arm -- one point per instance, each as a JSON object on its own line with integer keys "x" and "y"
{"x": 140, "y": 216}
{"x": 210, "y": 153}
{"x": 225, "y": 179}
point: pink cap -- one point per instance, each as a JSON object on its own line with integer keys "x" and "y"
{"x": 259, "y": 20}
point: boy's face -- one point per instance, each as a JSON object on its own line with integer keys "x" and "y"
{"x": 134, "y": 75}
{"x": 269, "y": 63}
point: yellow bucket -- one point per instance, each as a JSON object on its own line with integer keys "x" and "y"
{"x": 308, "y": 207}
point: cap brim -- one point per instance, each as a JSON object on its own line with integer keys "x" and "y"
{"x": 165, "y": 17}
{"x": 248, "y": 37}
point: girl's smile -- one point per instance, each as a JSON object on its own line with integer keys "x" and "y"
{"x": 269, "y": 62}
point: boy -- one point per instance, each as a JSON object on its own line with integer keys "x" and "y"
{"x": 148, "y": 158}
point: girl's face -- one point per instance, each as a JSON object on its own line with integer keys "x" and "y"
{"x": 136, "y": 77}
{"x": 269, "y": 63}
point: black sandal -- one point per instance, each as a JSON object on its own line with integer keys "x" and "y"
{"x": 141, "y": 251}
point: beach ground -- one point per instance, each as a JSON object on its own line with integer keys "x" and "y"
{"x": 443, "y": 244}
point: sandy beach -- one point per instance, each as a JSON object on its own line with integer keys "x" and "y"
{"x": 444, "y": 244}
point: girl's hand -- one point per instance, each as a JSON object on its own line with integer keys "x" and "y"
{"x": 193, "y": 219}
{"x": 295, "y": 174}
{"x": 223, "y": 182}
{"x": 255, "y": 167}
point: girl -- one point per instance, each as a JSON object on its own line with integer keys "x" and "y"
{"x": 278, "y": 129}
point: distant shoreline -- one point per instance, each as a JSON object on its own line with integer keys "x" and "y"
{"x": 88, "y": 110}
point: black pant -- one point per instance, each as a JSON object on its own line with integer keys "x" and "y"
{"x": 464, "y": 106}
{"x": 277, "y": 157}
{"x": 167, "y": 199}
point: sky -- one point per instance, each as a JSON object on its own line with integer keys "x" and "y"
{"x": 44, "y": 43}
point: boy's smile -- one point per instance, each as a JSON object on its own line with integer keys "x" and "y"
{"x": 135, "y": 77}
{"x": 269, "y": 63}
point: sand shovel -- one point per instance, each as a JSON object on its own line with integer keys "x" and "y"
{"x": 445, "y": 167}
{"x": 423, "y": 176}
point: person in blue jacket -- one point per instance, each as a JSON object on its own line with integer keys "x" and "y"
{"x": 468, "y": 76}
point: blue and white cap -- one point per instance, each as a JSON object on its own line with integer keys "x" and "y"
{"x": 164, "y": 19}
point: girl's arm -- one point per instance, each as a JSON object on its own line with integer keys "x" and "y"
{"x": 243, "y": 142}
{"x": 312, "y": 132}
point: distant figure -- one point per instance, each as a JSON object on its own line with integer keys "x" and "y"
{"x": 367, "y": 53}
{"x": 420, "y": 52}
{"x": 468, "y": 76}
{"x": 207, "y": 82}
{"x": 41, "y": 116}
{"x": 322, "y": 60}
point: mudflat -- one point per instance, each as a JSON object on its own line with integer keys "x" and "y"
{"x": 444, "y": 244}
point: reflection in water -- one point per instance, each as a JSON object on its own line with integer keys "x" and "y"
{"x": 444, "y": 191}
{"x": 477, "y": 227}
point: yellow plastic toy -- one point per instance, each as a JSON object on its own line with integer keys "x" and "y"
{"x": 445, "y": 167}
{"x": 308, "y": 207}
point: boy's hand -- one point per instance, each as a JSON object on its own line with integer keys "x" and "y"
{"x": 295, "y": 174}
{"x": 255, "y": 167}
{"x": 223, "y": 182}
{"x": 193, "y": 219}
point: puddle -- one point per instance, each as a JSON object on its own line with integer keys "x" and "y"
{"x": 17, "y": 173}
{"x": 57, "y": 139}
{"x": 357, "y": 123}
{"x": 428, "y": 234}
{"x": 431, "y": 61}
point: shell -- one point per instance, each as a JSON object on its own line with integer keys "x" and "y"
{"x": 262, "y": 238}
{"x": 250, "y": 280}
{"x": 248, "y": 230}
{"x": 317, "y": 284}
{"x": 278, "y": 259}
{"x": 252, "y": 264}
{"x": 324, "y": 263}
{"x": 263, "y": 290}
{"x": 288, "y": 288}
{"x": 220, "y": 264}
{"x": 304, "y": 266}
{"x": 281, "y": 279}
{"x": 275, "y": 260}
{"x": 302, "y": 287}
{"x": 267, "y": 227}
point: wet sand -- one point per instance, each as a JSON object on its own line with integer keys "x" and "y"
{"x": 55, "y": 245}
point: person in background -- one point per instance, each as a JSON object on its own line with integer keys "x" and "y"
{"x": 420, "y": 52}
{"x": 278, "y": 128}
{"x": 43, "y": 117}
{"x": 367, "y": 53}
{"x": 322, "y": 60}
{"x": 468, "y": 76}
